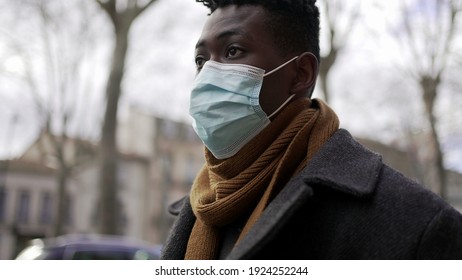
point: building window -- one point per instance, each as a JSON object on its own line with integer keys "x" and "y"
{"x": 167, "y": 165}
{"x": 2, "y": 204}
{"x": 190, "y": 172}
{"x": 68, "y": 213}
{"x": 46, "y": 212}
{"x": 22, "y": 214}
{"x": 122, "y": 174}
{"x": 191, "y": 135}
{"x": 169, "y": 129}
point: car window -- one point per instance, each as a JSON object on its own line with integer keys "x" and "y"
{"x": 52, "y": 253}
{"x": 102, "y": 255}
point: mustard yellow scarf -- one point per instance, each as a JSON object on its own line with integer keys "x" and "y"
{"x": 225, "y": 190}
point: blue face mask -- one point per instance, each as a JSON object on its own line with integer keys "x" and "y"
{"x": 225, "y": 106}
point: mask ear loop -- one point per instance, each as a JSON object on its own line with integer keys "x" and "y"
{"x": 290, "y": 97}
{"x": 282, "y": 106}
{"x": 279, "y": 67}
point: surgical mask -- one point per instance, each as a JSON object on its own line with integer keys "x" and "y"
{"x": 225, "y": 106}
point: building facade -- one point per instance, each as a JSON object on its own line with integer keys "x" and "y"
{"x": 157, "y": 163}
{"x": 27, "y": 193}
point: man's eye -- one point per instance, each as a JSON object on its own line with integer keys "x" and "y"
{"x": 200, "y": 61}
{"x": 232, "y": 52}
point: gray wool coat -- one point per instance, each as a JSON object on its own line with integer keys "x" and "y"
{"x": 346, "y": 204}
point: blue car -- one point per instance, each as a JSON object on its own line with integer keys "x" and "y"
{"x": 89, "y": 247}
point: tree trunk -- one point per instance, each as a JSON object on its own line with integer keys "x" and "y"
{"x": 324, "y": 86}
{"x": 61, "y": 195}
{"x": 324, "y": 68}
{"x": 429, "y": 87}
{"x": 439, "y": 159}
{"x": 108, "y": 178}
{"x": 122, "y": 21}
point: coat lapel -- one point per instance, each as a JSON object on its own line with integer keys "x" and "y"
{"x": 284, "y": 205}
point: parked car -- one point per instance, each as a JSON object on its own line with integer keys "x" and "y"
{"x": 89, "y": 247}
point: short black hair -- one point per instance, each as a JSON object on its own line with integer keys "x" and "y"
{"x": 295, "y": 23}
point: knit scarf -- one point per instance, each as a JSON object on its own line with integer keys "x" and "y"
{"x": 225, "y": 190}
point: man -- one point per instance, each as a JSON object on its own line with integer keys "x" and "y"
{"x": 281, "y": 180}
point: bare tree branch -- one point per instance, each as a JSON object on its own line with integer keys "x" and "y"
{"x": 339, "y": 36}
{"x": 52, "y": 61}
{"x": 147, "y": 5}
{"x": 430, "y": 30}
{"x": 110, "y": 8}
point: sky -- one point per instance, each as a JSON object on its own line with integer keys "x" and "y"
{"x": 367, "y": 90}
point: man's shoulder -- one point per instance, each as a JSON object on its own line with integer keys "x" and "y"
{"x": 345, "y": 165}
{"x": 407, "y": 193}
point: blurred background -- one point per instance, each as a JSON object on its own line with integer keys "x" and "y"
{"x": 95, "y": 135}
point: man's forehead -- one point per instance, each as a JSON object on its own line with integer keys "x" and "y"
{"x": 232, "y": 20}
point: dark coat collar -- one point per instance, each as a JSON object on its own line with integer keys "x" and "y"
{"x": 342, "y": 164}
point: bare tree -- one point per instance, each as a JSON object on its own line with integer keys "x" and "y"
{"x": 122, "y": 14}
{"x": 52, "y": 58}
{"x": 340, "y": 20}
{"x": 428, "y": 35}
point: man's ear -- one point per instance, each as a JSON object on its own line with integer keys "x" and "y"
{"x": 307, "y": 73}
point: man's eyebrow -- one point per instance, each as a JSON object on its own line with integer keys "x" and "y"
{"x": 224, "y": 35}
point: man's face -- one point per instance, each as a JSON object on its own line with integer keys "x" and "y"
{"x": 240, "y": 35}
